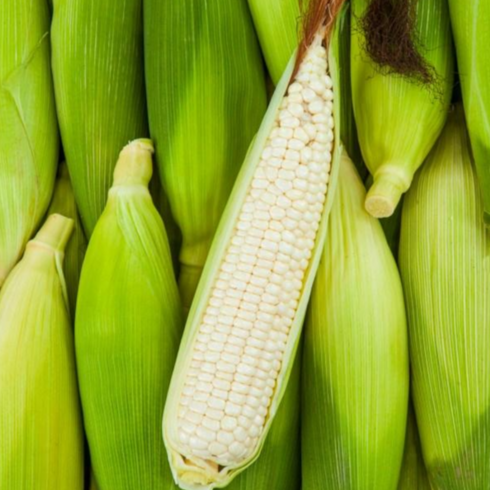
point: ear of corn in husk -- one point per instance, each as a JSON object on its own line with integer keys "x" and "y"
{"x": 63, "y": 202}
{"x": 29, "y": 141}
{"x": 205, "y": 106}
{"x": 242, "y": 333}
{"x": 470, "y": 21}
{"x": 128, "y": 327}
{"x": 355, "y": 369}
{"x": 444, "y": 261}
{"x": 277, "y": 23}
{"x": 99, "y": 85}
{"x": 413, "y": 475}
{"x": 41, "y": 443}
{"x": 399, "y": 118}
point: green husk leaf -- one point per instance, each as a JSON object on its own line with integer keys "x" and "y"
{"x": 63, "y": 202}
{"x": 355, "y": 368}
{"x": 41, "y": 439}
{"x": 444, "y": 261}
{"x": 398, "y": 118}
{"x": 128, "y": 328}
{"x": 207, "y": 95}
{"x": 99, "y": 86}
{"x": 29, "y": 141}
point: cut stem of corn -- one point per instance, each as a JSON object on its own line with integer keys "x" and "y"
{"x": 41, "y": 443}
{"x": 398, "y": 119}
{"x": 242, "y": 333}
{"x": 128, "y": 327}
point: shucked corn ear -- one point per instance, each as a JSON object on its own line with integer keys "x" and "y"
{"x": 29, "y": 141}
{"x": 242, "y": 333}
{"x": 128, "y": 328}
{"x": 399, "y": 119}
{"x": 277, "y": 24}
{"x": 445, "y": 269}
{"x": 471, "y": 27}
{"x": 355, "y": 368}
{"x": 99, "y": 87}
{"x": 63, "y": 202}
{"x": 41, "y": 443}
{"x": 206, "y": 98}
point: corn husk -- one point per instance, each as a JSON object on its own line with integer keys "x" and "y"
{"x": 29, "y": 141}
{"x": 471, "y": 27}
{"x": 445, "y": 269}
{"x": 277, "y": 23}
{"x": 63, "y": 202}
{"x": 41, "y": 443}
{"x": 128, "y": 327}
{"x": 99, "y": 86}
{"x": 206, "y": 98}
{"x": 399, "y": 119}
{"x": 355, "y": 370}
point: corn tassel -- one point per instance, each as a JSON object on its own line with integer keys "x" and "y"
{"x": 399, "y": 119}
{"x": 99, "y": 87}
{"x": 29, "y": 141}
{"x": 242, "y": 333}
{"x": 41, "y": 439}
{"x": 128, "y": 328}
{"x": 63, "y": 202}
{"x": 355, "y": 372}
{"x": 470, "y": 21}
{"x": 444, "y": 261}
{"x": 205, "y": 106}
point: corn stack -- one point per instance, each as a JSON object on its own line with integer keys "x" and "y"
{"x": 41, "y": 439}
{"x": 242, "y": 333}
{"x": 63, "y": 202}
{"x": 355, "y": 371}
{"x": 399, "y": 117}
{"x": 470, "y": 21}
{"x": 128, "y": 327}
{"x": 29, "y": 141}
{"x": 99, "y": 86}
{"x": 444, "y": 249}
{"x": 277, "y": 23}
{"x": 205, "y": 105}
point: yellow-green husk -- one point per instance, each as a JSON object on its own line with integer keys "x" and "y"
{"x": 444, "y": 261}
{"x": 29, "y": 141}
{"x": 41, "y": 443}
{"x": 355, "y": 368}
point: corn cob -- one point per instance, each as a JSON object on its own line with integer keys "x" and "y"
{"x": 41, "y": 439}
{"x": 277, "y": 25}
{"x": 128, "y": 327}
{"x": 236, "y": 356}
{"x": 413, "y": 475}
{"x": 399, "y": 118}
{"x": 355, "y": 371}
{"x": 446, "y": 274}
{"x": 218, "y": 74}
{"x": 29, "y": 141}
{"x": 99, "y": 87}
{"x": 63, "y": 202}
{"x": 470, "y": 21}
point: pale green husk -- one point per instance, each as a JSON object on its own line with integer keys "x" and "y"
{"x": 471, "y": 27}
{"x": 99, "y": 85}
{"x": 398, "y": 119}
{"x": 206, "y": 98}
{"x": 128, "y": 327}
{"x": 444, "y": 261}
{"x": 63, "y": 202}
{"x": 41, "y": 443}
{"x": 355, "y": 368}
{"x": 183, "y": 474}
{"x": 29, "y": 141}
